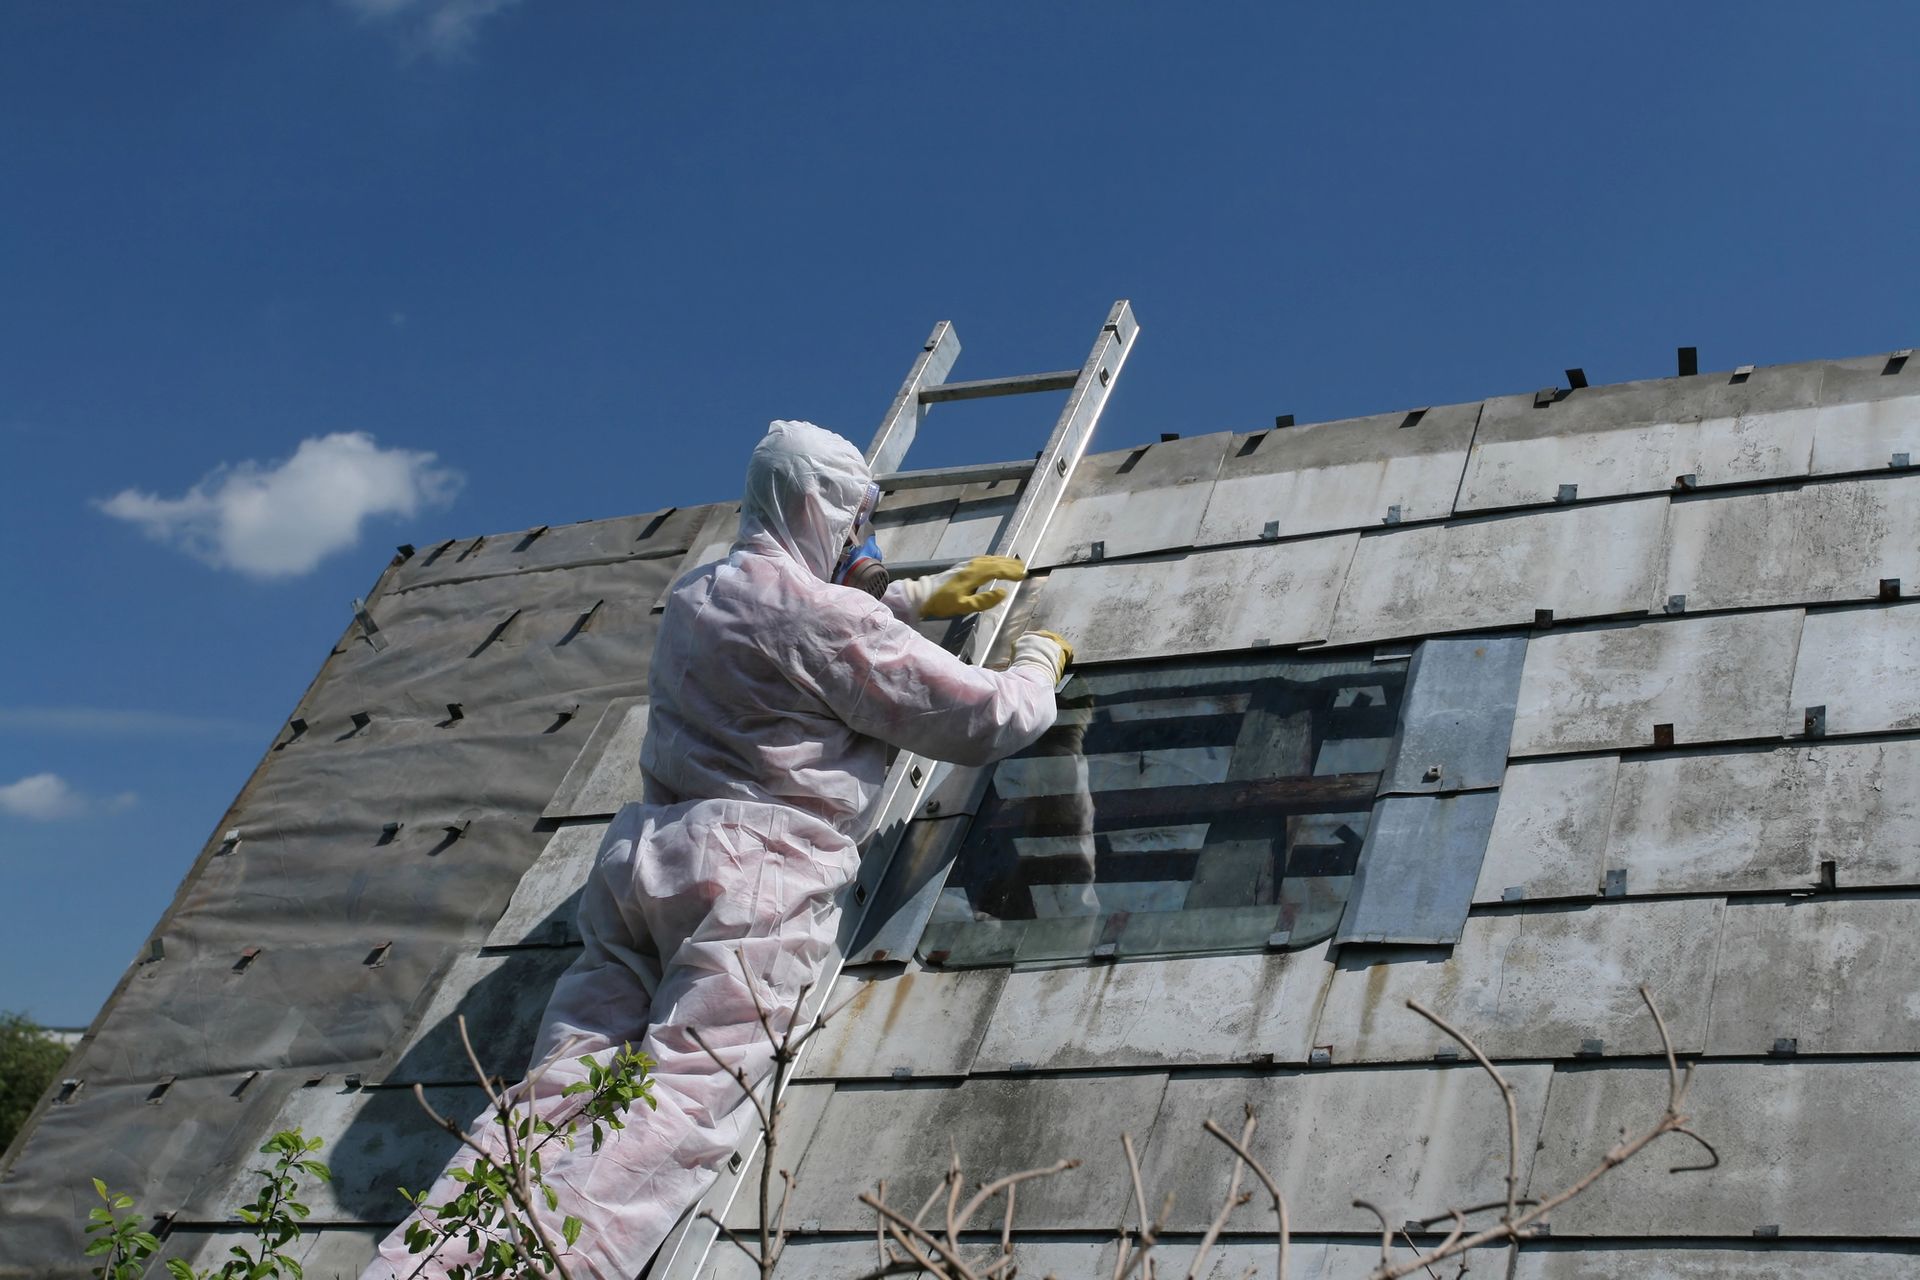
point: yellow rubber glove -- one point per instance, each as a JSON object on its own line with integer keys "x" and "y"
{"x": 957, "y": 592}
{"x": 1047, "y": 649}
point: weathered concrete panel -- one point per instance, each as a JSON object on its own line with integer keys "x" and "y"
{"x": 918, "y": 1023}
{"x": 903, "y": 1134}
{"x": 977, "y": 518}
{"x": 1864, "y": 436}
{"x": 1549, "y": 834}
{"x": 1859, "y": 665}
{"x": 1587, "y": 561}
{"x": 1832, "y": 975}
{"x": 801, "y": 1107}
{"x": 606, "y": 774}
{"x": 547, "y": 901}
{"x": 1667, "y": 1261}
{"x": 1536, "y": 984}
{"x": 1818, "y": 542}
{"x": 501, "y": 995}
{"x": 377, "y": 1141}
{"x": 1718, "y": 823}
{"x": 1636, "y": 437}
{"x": 1412, "y": 1141}
{"x": 1766, "y": 1119}
{"x": 1199, "y": 602}
{"x": 653, "y": 535}
{"x": 1711, "y": 678}
{"x": 1608, "y": 460}
{"x": 1203, "y": 1010}
{"x": 1134, "y": 500}
{"x": 909, "y": 523}
{"x": 1339, "y": 475}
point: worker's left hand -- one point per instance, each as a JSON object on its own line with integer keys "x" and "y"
{"x": 957, "y": 592}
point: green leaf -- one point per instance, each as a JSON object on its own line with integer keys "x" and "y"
{"x": 179, "y": 1270}
{"x": 553, "y": 1197}
{"x": 570, "y": 1229}
{"x": 101, "y": 1187}
{"x": 123, "y": 1201}
{"x": 97, "y": 1247}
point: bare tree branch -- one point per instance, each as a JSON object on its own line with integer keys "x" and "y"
{"x": 1266, "y": 1180}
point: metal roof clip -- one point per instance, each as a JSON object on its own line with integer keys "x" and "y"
{"x": 1392, "y": 516}
{"x": 368, "y": 629}
{"x": 1741, "y": 374}
{"x": 1615, "y": 884}
{"x": 1815, "y": 721}
{"x": 1567, "y": 493}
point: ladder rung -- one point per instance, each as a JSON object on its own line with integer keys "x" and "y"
{"x": 1058, "y": 380}
{"x": 937, "y": 477}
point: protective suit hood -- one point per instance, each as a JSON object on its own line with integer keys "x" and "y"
{"x": 804, "y": 489}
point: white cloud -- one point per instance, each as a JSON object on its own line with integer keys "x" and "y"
{"x": 47, "y": 797}
{"x": 282, "y": 520}
{"x": 441, "y": 28}
{"x": 43, "y": 797}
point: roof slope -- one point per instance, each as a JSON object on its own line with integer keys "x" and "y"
{"x": 1709, "y": 786}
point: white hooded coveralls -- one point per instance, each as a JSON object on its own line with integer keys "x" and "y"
{"x": 774, "y": 697}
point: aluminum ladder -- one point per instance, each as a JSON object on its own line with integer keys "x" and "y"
{"x": 685, "y": 1252}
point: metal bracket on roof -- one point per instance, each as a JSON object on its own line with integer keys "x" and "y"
{"x": 1900, "y": 461}
{"x": 1576, "y": 378}
{"x": 1543, "y": 617}
{"x": 1513, "y": 893}
{"x": 361, "y": 719}
{"x": 1889, "y": 588}
{"x": 1591, "y": 1048}
{"x": 1545, "y": 396}
{"x": 1741, "y": 374}
{"x": 69, "y": 1089}
{"x": 1785, "y": 1047}
{"x": 1615, "y": 884}
{"x": 1320, "y": 1056}
{"x": 1279, "y": 939}
{"x": 1392, "y": 516}
{"x": 378, "y": 956}
{"x": 1097, "y": 550}
{"x": 1687, "y": 483}
{"x": 159, "y": 1090}
{"x": 1567, "y": 493}
{"x": 368, "y": 629}
{"x": 247, "y": 956}
{"x": 1814, "y": 723}
{"x": 1897, "y": 361}
{"x": 1687, "y": 361}
{"x": 1770, "y": 1231}
{"x": 1663, "y": 735}
{"x": 1283, "y": 420}
{"x": 1270, "y": 532}
{"x": 1414, "y": 415}
{"x": 1676, "y": 604}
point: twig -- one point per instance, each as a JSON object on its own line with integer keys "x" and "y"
{"x": 1679, "y": 1082}
{"x": 1386, "y": 1231}
{"x": 1233, "y": 1201}
{"x": 1266, "y": 1180}
{"x": 960, "y": 1268}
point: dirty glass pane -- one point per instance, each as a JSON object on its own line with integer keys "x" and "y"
{"x": 1205, "y": 804}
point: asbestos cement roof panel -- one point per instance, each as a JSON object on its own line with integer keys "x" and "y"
{"x": 606, "y": 773}
{"x": 1198, "y": 602}
{"x": 1549, "y": 837}
{"x": 1810, "y": 544}
{"x": 996, "y": 1127}
{"x": 1412, "y": 1141}
{"x": 656, "y": 535}
{"x": 1865, "y": 435}
{"x": 1712, "y": 678}
{"x": 1768, "y": 1119}
{"x": 917, "y": 1023}
{"x": 1538, "y": 983}
{"x": 501, "y": 995}
{"x": 1332, "y": 476}
{"x": 547, "y": 900}
{"x": 1636, "y": 437}
{"x": 1134, "y": 501}
{"x": 1583, "y": 561}
{"x": 1200, "y": 1010}
{"x": 1858, "y": 664}
{"x": 1833, "y": 975}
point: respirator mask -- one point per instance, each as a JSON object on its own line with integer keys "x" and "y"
{"x": 859, "y": 565}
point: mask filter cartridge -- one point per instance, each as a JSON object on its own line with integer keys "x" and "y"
{"x": 861, "y": 568}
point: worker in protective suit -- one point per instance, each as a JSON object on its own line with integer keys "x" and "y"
{"x": 776, "y": 691}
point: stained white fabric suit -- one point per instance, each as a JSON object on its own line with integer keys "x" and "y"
{"x": 774, "y": 696}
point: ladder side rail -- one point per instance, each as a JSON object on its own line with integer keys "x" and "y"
{"x": 902, "y": 423}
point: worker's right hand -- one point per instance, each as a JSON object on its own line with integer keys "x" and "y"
{"x": 956, "y": 592}
{"x": 1045, "y": 649}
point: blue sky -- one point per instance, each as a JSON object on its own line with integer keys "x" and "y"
{"x": 258, "y": 262}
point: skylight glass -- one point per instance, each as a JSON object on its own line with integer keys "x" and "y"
{"x": 1204, "y": 804}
